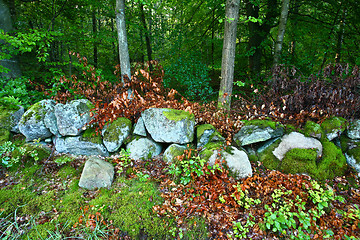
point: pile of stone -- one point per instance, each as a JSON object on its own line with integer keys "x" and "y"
{"x": 325, "y": 149}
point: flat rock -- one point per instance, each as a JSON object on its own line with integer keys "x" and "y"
{"x": 143, "y": 148}
{"x": 169, "y": 126}
{"x": 139, "y": 128}
{"x": 296, "y": 140}
{"x": 97, "y": 173}
{"x": 253, "y": 134}
{"x": 237, "y": 161}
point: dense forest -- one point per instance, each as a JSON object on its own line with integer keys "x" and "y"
{"x": 185, "y": 38}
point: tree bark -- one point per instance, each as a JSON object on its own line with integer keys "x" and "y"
{"x": 281, "y": 31}
{"x": 122, "y": 38}
{"x": 228, "y": 53}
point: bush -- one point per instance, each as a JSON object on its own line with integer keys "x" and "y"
{"x": 189, "y": 77}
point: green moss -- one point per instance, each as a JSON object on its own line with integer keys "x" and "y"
{"x": 4, "y": 135}
{"x": 355, "y": 152}
{"x": 312, "y": 129}
{"x": 334, "y": 123}
{"x": 5, "y": 117}
{"x": 333, "y": 162}
{"x": 132, "y": 211}
{"x": 36, "y": 111}
{"x": 196, "y": 228}
{"x": 262, "y": 123}
{"x": 202, "y": 128}
{"x": 41, "y": 231}
{"x": 177, "y": 115}
{"x": 268, "y": 158}
{"x": 90, "y": 135}
{"x": 209, "y": 149}
{"x": 114, "y": 128}
{"x": 299, "y": 161}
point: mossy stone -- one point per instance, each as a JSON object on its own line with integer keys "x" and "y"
{"x": 112, "y": 129}
{"x": 202, "y": 128}
{"x": 261, "y": 123}
{"x": 334, "y": 126}
{"x": 178, "y": 115}
{"x": 299, "y": 160}
{"x": 267, "y": 157}
{"x": 312, "y": 129}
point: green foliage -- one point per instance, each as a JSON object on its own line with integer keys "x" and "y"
{"x": 241, "y": 197}
{"x": 189, "y": 77}
{"x": 17, "y": 92}
{"x": 240, "y": 231}
{"x": 7, "y": 151}
{"x": 63, "y": 160}
{"x": 186, "y": 169}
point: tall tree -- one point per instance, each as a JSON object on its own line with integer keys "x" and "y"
{"x": 228, "y": 53}
{"x": 147, "y": 35}
{"x": 281, "y": 31}
{"x": 122, "y": 38}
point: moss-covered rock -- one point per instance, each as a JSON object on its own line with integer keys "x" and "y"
{"x": 333, "y": 127}
{"x": 256, "y": 131}
{"x": 267, "y": 157}
{"x": 312, "y": 129}
{"x": 115, "y": 133}
{"x": 207, "y": 133}
{"x": 173, "y": 151}
{"x": 299, "y": 161}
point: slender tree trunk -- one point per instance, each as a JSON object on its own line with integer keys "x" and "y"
{"x": 147, "y": 35}
{"x": 294, "y": 37}
{"x": 281, "y": 31}
{"x": 94, "y": 25}
{"x": 123, "y": 44}
{"x": 228, "y": 53}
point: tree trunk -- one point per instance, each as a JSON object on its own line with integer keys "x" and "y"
{"x": 147, "y": 35}
{"x": 6, "y": 25}
{"x": 123, "y": 45}
{"x": 340, "y": 38}
{"x": 228, "y": 53}
{"x": 281, "y": 31}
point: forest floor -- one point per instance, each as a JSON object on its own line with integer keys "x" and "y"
{"x": 42, "y": 200}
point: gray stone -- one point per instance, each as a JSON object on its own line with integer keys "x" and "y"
{"x": 79, "y": 146}
{"x": 353, "y": 162}
{"x": 32, "y": 124}
{"x": 139, "y": 128}
{"x": 143, "y": 148}
{"x": 173, "y": 151}
{"x": 97, "y": 173}
{"x": 254, "y": 134}
{"x": 169, "y": 125}
{"x": 51, "y": 124}
{"x": 72, "y": 117}
{"x": 15, "y": 118}
{"x": 115, "y": 133}
{"x": 263, "y": 146}
{"x": 207, "y": 133}
{"x": 296, "y": 140}
{"x": 354, "y": 130}
{"x": 237, "y": 162}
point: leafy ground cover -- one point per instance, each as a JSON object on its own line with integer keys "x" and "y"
{"x": 149, "y": 200}
{"x": 40, "y": 197}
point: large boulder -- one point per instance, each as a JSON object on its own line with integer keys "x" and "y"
{"x": 354, "y": 130}
{"x": 115, "y": 133}
{"x": 72, "y": 117}
{"x": 334, "y": 127}
{"x": 351, "y": 148}
{"x": 173, "y": 151}
{"x": 168, "y": 125}
{"x": 87, "y": 144}
{"x": 206, "y": 133}
{"x": 97, "y": 173}
{"x": 236, "y": 161}
{"x": 32, "y": 124}
{"x": 297, "y": 140}
{"x": 258, "y": 131}
{"x": 143, "y": 148}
